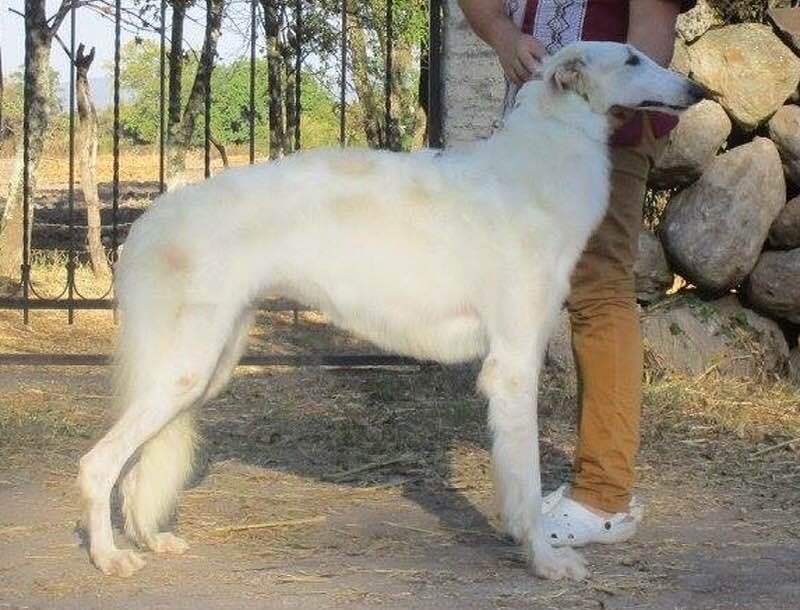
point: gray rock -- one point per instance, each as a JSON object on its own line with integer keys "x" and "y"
{"x": 686, "y": 335}
{"x": 653, "y": 276}
{"x": 774, "y": 285}
{"x": 559, "y": 349}
{"x": 692, "y": 145}
{"x": 696, "y": 22}
{"x": 787, "y": 23}
{"x": 681, "y": 61}
{"x": 472, "y": 81}
{"x": 794, "y": 365}
{"x": 714, "y": 230}
{"x": 784, "y": 130}
{"x": 560, "y": 360}
{"x": 750, "y": 70}
{"x": 785, "y": 231}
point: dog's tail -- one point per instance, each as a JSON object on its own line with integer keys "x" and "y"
{"x": 150, "y": 488}
{"x": 149, "y": 311}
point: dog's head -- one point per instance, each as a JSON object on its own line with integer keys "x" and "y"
{"x": 612, "y": 75}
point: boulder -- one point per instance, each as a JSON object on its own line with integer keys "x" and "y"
{"x": 785, "y": 230}
{"x": 692, "y": 145}
{"x": 749, "y": 69}
{"x": 784, "y": 130}
{"x": 692, "y": 24}
{"x": 681, "y": 61}
{"x": 653, "y": 276}
{"x": 787, "y": 23}
{"x": 794, "y": 365}
{"x": 714, "y": 230}
{"x": 774, "y": 285}
{"x": 686, "y": 335}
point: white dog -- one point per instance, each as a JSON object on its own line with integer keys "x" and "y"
{"x": 444, "y": 256}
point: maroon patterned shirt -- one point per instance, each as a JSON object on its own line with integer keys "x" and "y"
{"x": 556, "y": 23}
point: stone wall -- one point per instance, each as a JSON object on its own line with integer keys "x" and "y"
{"x": 728, "y": 227}
{"x": 472, "y": 82}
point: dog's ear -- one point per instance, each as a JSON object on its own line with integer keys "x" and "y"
{"x": 567, "y": 75}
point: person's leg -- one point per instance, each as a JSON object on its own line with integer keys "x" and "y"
{"x": 607, "y": 341}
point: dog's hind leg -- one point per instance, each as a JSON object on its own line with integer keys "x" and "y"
{"x": 509, "y": 378}
{"x": 234, "y": 348}
{"x": 153, "y": 412}
{"x": 150, "y": 487}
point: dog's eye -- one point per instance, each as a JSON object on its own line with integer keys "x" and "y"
{"x": 633, "y": 60}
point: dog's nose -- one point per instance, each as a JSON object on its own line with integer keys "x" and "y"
{"x": 697, "y": 92}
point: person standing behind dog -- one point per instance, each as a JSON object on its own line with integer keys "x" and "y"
{"x": 597, "y": 506}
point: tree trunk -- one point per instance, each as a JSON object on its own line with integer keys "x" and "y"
{"x": 38, "y": 41}
{"x": 290, "y": 102}
{"x": 223, "y": 152}
{"x": 87, "y": 157}
{"x": 175, "y": 66}
{"x": 272, "y": 27}
{"x": 2, "y": 91}
{"x": 371, "y": 109}
{"x": 422, "y": 86}
{"x": 195, "y": 105}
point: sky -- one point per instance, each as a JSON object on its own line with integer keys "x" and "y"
{"x": 95, "y": 30}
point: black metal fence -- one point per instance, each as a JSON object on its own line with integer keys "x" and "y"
{"x": 71, "y": 298}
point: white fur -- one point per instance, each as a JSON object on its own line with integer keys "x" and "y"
{"x": 453, "y": 256}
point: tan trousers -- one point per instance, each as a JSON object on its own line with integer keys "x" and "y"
{"x": 606, "y": 339}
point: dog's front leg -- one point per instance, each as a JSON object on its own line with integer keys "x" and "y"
{"x": 510, "y": 383}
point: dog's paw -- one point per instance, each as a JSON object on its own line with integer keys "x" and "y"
{"x": 165, "y": 542}
{"x": 119, "y": 562}
{"x": 555, "y": 564}
{"x": 514, "y": 530}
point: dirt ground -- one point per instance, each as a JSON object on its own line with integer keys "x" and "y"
{"x": 370, "y": 489}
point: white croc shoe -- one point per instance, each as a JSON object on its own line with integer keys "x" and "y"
{"x": 569, "y": 523}
{"x": 553, "y": 497}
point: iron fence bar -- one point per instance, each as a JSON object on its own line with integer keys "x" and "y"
{"x": 115, "y": 153}
{"x": 161, "y": 96}
{"x": 71, "y": 196}
{"x": 253, "y": 81}
{"x": 434, "y": 117}
{"x": 207, "y": 116}
{"x": 343, "y": 83}
{"x": 291, "y": 360}
{"x": 387, "y": 92}
{"x": 26, "y": 160}
{"x": 267, "y": 305}
{"x": 298, "y": 66}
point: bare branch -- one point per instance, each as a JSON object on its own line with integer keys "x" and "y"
{"x": 62, "y": 12}
{"x": 63, "y": 46}
{"x": 133, "y": 17}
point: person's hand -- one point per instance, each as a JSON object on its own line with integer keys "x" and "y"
{"x": 619, "y": 116}
{"x": 520, "y": 55}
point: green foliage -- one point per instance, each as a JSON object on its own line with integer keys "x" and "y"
{"x": 139, "y": 107}
{"x": 139, "y": 110}
{"x": 230, "y": 101}
{"x": 12, "y": 104}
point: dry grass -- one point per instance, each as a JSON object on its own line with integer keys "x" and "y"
{"x": 307, "y": 464}
{"x": 753, "y": 410}
{"x": 49, "y": 277}
{"x": 136, "y": 164}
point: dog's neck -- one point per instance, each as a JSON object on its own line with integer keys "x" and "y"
{"x": 570, "y": 109}
{"x": 542, "y": 131}
{"x": 540, "y": 120}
